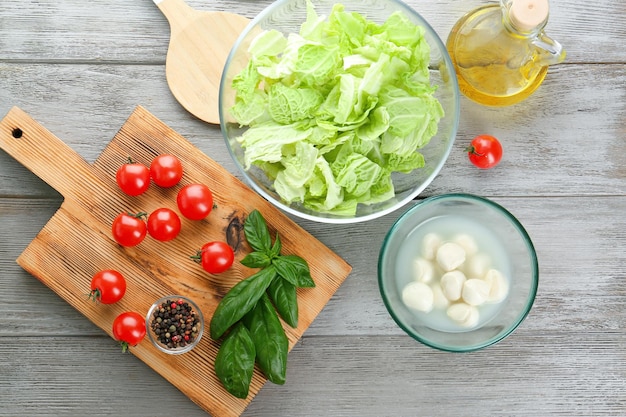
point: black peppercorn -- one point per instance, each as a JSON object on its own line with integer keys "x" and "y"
{"x": 175, "y": 324}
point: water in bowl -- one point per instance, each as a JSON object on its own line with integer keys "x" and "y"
{"x": 447, "y": 227}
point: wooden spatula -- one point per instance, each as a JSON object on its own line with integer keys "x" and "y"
{"x": 199, "y": 45}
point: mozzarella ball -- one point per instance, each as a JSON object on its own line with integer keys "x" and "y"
{"x": 430, "y": 244}
{"x": 478, "y": 265}
{"x": 418, "y": 296}
{"x": 439, "y": 300}
{"x": 452, "y": 284}
{"x": 467, "y": 242}
{"x": 475, "y": 292}
{"x": 423, "y": 270}
{"x": 450, "y": 256}
{"x": 498, "y": 286}
{"x": 463, "y": 314}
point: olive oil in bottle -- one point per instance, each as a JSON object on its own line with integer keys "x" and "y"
{"x": 500, "y": 52}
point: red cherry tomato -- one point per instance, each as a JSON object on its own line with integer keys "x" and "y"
{"x": 129, "y": 229}
{"x": 485, "y": 151}
{"x": 195, "y": 201}
{"x": 164, "y": 224}
{"x": 133, "y": 178}
{"x": 107, "y": 286}
{"x": 216, "y": 257}
{"x": 166, "y": 170}
{"x": 129, "y": 328}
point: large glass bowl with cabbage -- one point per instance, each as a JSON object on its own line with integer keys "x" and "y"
{"x": 339, "y": 112}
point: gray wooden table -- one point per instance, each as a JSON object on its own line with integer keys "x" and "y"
{"x": 80, "y": 67}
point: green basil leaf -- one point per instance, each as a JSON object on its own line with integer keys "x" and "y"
{"x": 270, "y": 340}
{"x": 283, "y": 295}
{"x": 278, "y": 246}
{"x": 294, "y": 269}
{"x": 234, "y": 363}
{"x": 257, "y": 233}
{"x": 239, "y": 300}
{"x": 256, "y": 260}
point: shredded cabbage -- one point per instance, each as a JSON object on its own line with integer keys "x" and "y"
{"x": 333, "y": 110}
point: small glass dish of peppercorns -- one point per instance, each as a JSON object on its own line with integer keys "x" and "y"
{"x": 174, "y": 324}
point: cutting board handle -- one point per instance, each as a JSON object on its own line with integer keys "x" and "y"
{"x": 177, "y": 12}
{"x": 44, "y": 154}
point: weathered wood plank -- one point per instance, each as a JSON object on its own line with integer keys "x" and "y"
{"x": 122, "y": 31}
{"x": 580, "y": 245}
{"x": 572, "y": 146}
{"x": 534, "y": 374}
{"x": 92, "y": 378}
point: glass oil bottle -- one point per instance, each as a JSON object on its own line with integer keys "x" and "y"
{"x": 501, "y": 53}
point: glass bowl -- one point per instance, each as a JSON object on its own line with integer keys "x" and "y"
{"x": 175, "y": 342}
{"x": 490, "y": 239}
{"x": 287, "y": 17}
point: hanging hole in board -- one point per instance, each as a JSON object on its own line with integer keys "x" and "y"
{"x": 17, "y": 133}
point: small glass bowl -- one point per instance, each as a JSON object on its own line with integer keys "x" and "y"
{"x": 484, "y": 217}
{"x": 152, "y": 315}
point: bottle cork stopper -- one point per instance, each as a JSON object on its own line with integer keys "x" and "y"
{"x": 526, "y": 15}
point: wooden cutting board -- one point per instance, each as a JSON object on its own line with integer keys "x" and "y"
{"x": 77, "y": 242}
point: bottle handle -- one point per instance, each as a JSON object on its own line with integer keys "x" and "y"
{"x": 551, "y": 51}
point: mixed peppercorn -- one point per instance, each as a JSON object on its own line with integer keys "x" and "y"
{"x": 175, "y": 324}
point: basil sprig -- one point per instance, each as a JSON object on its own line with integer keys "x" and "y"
{"x": 248, "y": 313}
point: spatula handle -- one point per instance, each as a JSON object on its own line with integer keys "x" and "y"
{"x": 44, "y": 154}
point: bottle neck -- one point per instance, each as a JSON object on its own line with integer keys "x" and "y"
{"x": 526, "y": 18}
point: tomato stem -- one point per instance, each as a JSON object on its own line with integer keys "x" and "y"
{"x": 140, "y": 215}
{"x": 124, "y": 346}
{"x": 472, "y": 150}
{"x": 94, "y": 294}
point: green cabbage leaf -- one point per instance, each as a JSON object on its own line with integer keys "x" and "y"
{"x": 334, "y": 110}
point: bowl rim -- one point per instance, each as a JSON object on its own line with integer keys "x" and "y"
{"x": 530, "y": 299}
{"x": 152, "y": 337}
{"x": 327, "y": 217}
